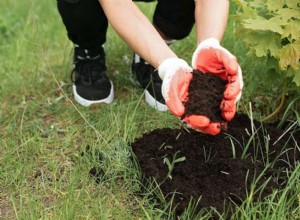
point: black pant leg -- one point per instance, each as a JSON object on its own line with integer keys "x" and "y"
{"x": 85, "y": 22}
{"x": 175, "y": 18}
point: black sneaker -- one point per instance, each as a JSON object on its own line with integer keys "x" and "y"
{"x": 91, "y": 85}
{"x": 150, "y": 81}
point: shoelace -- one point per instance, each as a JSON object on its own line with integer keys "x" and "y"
{"x": 87, "y": 70}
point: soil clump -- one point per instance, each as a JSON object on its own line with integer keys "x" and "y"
{"x": 205, "y": 94}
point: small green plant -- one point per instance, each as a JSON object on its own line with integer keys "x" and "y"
{"x": 233, "y": 142}
{"x": 171, "y": 165}
{"x": 207, "y": 155}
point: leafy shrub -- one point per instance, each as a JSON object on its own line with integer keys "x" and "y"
{"x": 271, "y": 31}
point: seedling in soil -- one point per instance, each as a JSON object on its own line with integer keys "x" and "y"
{"x": 231, "y": 138}
{"x": 241, "y": 167}
{"x": 171, "y": 165}
{"x": 165, "y": 146}
{"x": 207, "y": 155}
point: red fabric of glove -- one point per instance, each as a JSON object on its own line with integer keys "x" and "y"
{"x": 176, "y": 76}
{"x": 203, "y": 124}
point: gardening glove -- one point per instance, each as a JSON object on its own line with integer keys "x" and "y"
{"x": 211, "y": 57}
{"x": 176, "y": 75}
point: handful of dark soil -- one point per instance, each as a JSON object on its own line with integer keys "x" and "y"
{"x": 205, "y": 94}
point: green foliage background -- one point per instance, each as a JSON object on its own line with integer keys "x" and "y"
{"x": 271, "y": 30}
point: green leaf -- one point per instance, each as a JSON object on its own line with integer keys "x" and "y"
{"x": 274, "y": 5}
{"x": 258, "y": 4}
{"x": 248, "y": 12}
{"x": 166, "y": 161}
{"x": 292, "y": 29}
{"x": 294, "y": 74}
{"x": 296, "y": 78}
{"x": 180, "y": 159}
{"x": 261, "y": 24}
{"x": 264, "y": 43}
{"x": 289, "y": 55}
{"x": 293, "y": 4}
{"x": 287, "y": 14}
{"x": 278, "y": 20}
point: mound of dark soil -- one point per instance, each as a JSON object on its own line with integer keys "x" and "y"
{"x": 205, "y": 95}
{"x": 212, "y": 170}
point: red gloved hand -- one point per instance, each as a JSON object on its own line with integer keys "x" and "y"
{"x": 176, "y": 76}
{"x": 211, "y": 57}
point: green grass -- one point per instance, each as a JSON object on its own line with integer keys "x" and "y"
{"x": 43, "y": 132}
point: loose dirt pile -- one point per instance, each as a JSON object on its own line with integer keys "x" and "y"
{"x": 212, "y": 170}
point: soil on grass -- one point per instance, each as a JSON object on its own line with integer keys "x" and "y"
{"x": 212, "y": 170}
{"x": 205, "y": 95}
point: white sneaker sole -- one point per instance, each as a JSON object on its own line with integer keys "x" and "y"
{"x": 85, "y": 102}
{"x": 150, "y": 100}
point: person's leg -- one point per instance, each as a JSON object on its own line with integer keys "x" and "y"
{"x": 174, "y": 19}
{"x": 85, "y": 22}
{"x": 86, "y": 25}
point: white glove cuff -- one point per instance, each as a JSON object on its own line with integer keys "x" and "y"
{"x": 171, "y": 65}
{"x": 167, "y": 69}
{"x": 210, "y": 42}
